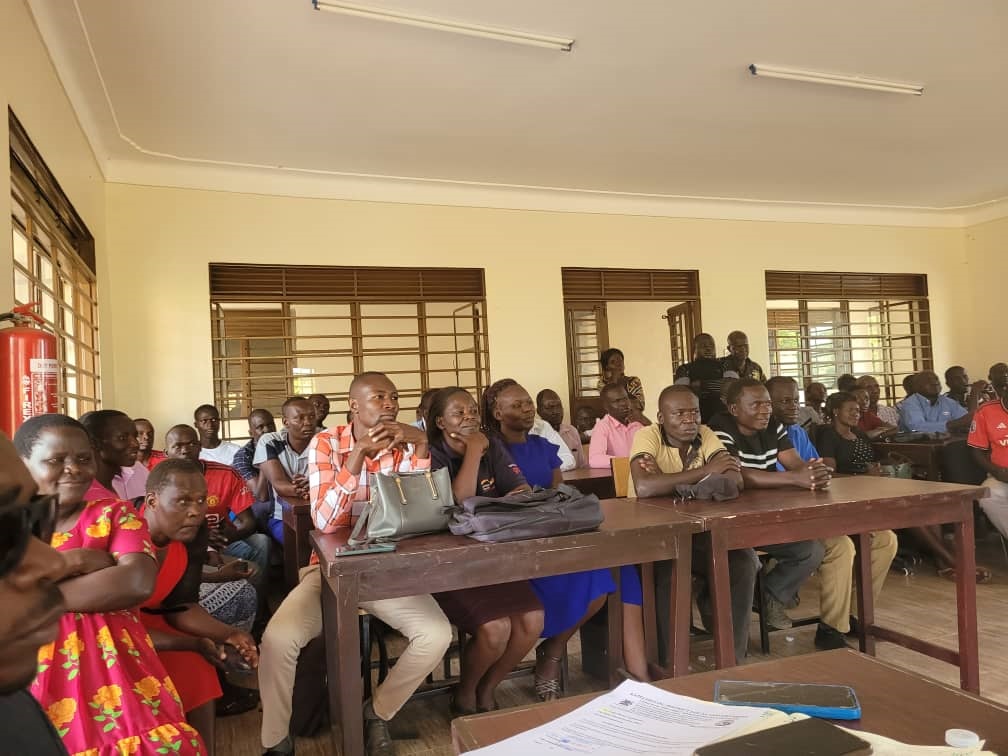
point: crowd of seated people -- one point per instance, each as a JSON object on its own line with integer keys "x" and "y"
{"x": 166, "y": 553}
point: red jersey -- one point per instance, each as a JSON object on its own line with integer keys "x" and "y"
{"x": 990, "y": 431}
{"x": 155, "y": 457}
{"x": 226, "y": 492}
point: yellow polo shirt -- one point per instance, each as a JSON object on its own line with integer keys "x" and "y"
{"x": 651, "y": 440}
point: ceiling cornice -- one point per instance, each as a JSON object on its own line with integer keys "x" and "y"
{"x": 158, "y": 169}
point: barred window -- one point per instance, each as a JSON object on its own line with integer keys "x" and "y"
{"x": 279, "y": 331}
{"x": 822, "y": 325}
{"x": 54, "y": 266}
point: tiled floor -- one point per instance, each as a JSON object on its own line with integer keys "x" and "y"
{"x": 923, "y": 601}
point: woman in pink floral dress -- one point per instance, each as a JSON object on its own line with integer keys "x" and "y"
{"x": 101, "y": 682}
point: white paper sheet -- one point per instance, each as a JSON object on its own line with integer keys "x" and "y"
{"x": 635, "y": 718}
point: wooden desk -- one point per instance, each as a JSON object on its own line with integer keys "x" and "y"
{"x": 596, "y": 480}
{"x": 851, "y": 506}
{"x": 297, "y": 524}
{"x": 633, "y": 533}
{"x": 926, "y": 454}
{"x": 894, "y": 702}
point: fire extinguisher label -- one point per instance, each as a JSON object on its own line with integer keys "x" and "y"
{"x": 40, "y": 394}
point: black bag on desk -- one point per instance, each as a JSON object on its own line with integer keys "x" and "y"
{"x": 715, "y": 487}
{"x": 535, "y": 514}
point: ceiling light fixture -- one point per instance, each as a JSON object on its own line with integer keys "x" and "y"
{"x": 458, "y": 27}
{"x": 837, "y": 80}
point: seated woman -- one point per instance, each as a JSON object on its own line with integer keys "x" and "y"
{"x": 869, "y": 422}
{"x": 847, "y": 449}
{"x": 569, "y": 600}
{"x": 613, "y": 368}
{"x": 101, "y": 682}
{"x": 505, "y": 620}
{"x": 187, "y": 638}
{"x": 117, "y": 474}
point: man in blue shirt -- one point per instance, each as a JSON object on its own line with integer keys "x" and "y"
{"x": 927, "y": 411}
{"x": 836, "y": 604}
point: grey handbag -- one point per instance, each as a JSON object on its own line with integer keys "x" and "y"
{"x": 405, "y": 504}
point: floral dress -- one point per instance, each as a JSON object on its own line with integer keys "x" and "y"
{"x": 101, "y": 682}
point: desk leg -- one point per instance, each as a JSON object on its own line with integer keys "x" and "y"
{"x": 682, "y": 606}
{"x": 303, "y": 549}
{"x": 346, "y": 688}
{"x": 650, "y": 617}
{"x": 290, "y": 552}
{"x": 615, "y": 615}
{"x": 865, "y": 597}
{"x": 720, "y": 589}
{"x": 969, "y": 655}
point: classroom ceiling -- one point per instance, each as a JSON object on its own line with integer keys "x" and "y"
{"x": 655, "y": 98}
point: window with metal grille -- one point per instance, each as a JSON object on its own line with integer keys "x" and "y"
{"x": 54, "y": 266}
{"x": 590, "y": 293}
{"x": 279, "y": 331}
{"x": 822, "y": 325}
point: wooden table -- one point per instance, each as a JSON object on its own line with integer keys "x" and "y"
{"x": 632, "y": 533}
{"x": 297, "y": 525}
{"x": 852, "y": 506}
{"x": 596, "y": 480}
{"x": 925, "y": 454}
{"x": 894, "y": 702}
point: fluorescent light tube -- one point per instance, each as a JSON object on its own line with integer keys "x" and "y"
{"x": 837, "y": 80}
{"x": 458, "y": 27}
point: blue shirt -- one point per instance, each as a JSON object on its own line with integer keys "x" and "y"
{"x": 537, "y": 458}
{"x": 918, "y": 414}
{"x": 802, "y": 444}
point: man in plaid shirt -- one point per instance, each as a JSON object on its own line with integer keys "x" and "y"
{"x": 339, "y": 462}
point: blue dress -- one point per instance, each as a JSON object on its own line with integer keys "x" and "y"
{"x": 566, "y": 597}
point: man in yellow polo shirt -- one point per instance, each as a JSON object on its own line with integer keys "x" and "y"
{"x": 678, "y": 450}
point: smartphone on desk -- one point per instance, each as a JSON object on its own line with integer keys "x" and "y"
{"x": 824, "y": 701}
{"x": 806, "y": 736}
{"x": 364, "y": 548}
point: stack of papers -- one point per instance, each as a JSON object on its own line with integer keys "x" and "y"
{"x": 640, "y": 719}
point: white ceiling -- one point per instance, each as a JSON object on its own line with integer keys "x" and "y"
{"x": 655, "y": 98}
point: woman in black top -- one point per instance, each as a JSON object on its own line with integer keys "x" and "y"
{"x": 842, "y": 445}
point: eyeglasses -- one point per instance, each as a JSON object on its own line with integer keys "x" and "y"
{"x": 18, "y": 524}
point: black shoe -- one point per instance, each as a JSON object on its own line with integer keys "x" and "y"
{"x": 828, "y": 638}
{"x": 377, "y": 739}
{"x": 284, "y": 748}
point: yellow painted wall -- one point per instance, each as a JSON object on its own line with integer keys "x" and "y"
{"x": 30, "y": 87}
{"x": 983, "y": 301}
{"x": 160, "y": 241}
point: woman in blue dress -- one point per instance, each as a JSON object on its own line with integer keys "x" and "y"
{"x": 569, "y": 600}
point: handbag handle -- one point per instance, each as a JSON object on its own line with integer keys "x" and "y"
{"x": 359, "y": 527}
{"x": 430, "y": 482}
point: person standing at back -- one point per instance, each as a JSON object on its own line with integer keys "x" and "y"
{"x": 212, "y": 448}
{"x": 738, "y": 360}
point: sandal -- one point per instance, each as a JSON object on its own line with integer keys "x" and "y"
{"x": 546, "y": 688}
{"x": 983, "y": 575}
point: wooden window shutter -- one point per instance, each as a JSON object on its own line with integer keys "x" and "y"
{"x": 618, "y": 284}
{"x": 830, "y": 286}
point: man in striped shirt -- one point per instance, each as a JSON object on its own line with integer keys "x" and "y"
{"x": 339, "y": 463}
{"x": 747, "y": 433}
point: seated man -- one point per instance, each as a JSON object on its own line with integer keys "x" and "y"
{"x": 321, "y": 404}
{"x": 423, "y": 407}
{"x": 810, "y": 415}
{"x": 958, "y": 383}
{"x": 836, "y": 599}
{"x": 888, "y": 415}
{"x": 679, "y": 450}
{"x": 927, "y": 411}
{"x": 260, "y": 421}
{"x": 704, "y": 375}
{"x": 585, "y": 419}
{"x": 988, "y": 441}
{"x": 746, "y": 432}
{"x": 226, "y": 496}
{"x": 738, "y": 360}
{"x": 207, "y": 421}
{"x": 339, "y": 463}
{"x": 552, "y": 428}
{"x": 148, "y": 456}
{"x": 613, "y": 435}
{"x": 283, "y": 459}
{"x": 846, "y": 382}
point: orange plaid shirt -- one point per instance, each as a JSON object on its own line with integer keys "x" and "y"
{"x": 333, "y": 488}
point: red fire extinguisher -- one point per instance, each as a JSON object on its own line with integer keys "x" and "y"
{"x": 28, "y": 368}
